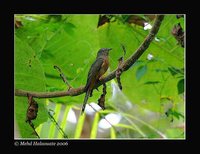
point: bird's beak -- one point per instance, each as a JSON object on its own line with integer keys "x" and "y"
{"x": 109, "y": 49}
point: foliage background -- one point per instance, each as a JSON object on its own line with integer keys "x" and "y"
{"x": 152, "y": 103}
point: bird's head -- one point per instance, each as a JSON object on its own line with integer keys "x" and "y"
{"x": 103, "y": 52}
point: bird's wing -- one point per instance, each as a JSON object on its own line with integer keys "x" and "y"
{"x": 94, "y": 69}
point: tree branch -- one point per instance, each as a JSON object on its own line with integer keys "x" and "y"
{"x": 125, "y": 66}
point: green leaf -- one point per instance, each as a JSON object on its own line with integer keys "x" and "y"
{"x": 138, "y": 62}
{"x": 63, "y": 122}
{"x": 180, "y": 86}
{"x": 141, "y": 72}
{"x": 36, "y": 34}
{"x": 39, "y": 130}
{"x": 94, "y": 130}
{"x": 125, "y": 126}
{"x": 29, "y": 75}
{"x": 112, "y": 133}
{"x": 174, "y": 71}
{"x": 174, "y": 113}
{"x": 175, "y": 133}
{"x": 73, "y": 48}
{"x": 79, "y": 126}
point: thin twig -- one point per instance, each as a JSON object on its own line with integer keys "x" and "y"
{"x": 124, "y": 49}
{"x": 57, "y": 125}
{"x": 119, "y": 68}
{"x": 63, "y": 76}
{"x": 32, "y": 126}
{"x": 126, "y": 65}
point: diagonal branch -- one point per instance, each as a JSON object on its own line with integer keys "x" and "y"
{"x": 125, "y": 66}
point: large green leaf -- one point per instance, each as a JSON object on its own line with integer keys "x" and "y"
{"x": 29, "y": 75}
{"x": 73, "y": 48}
{"x": 36, "y": 32}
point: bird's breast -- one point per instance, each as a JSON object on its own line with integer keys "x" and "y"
{"x": 104, "y": 67}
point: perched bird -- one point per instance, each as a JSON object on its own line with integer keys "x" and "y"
{"x": 97, "y": 69}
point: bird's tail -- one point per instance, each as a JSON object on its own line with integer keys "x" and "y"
{"x": 85, "y": 101}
